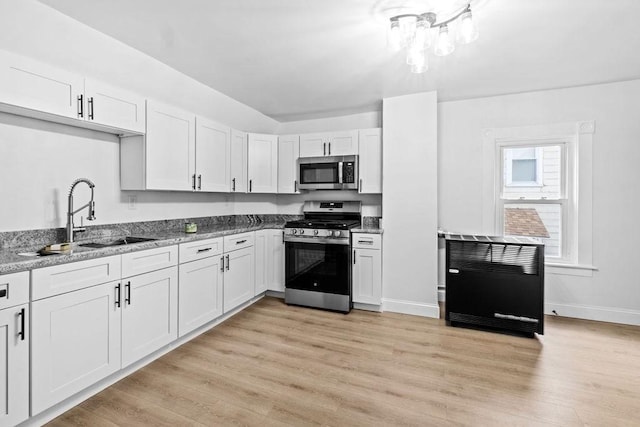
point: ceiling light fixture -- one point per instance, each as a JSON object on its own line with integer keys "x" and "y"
{"x": 413, "y": 33}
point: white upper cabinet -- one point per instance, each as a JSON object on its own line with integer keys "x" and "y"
{"x": 28, "y": 83}
{"x": 313, "y": 144}
{"x": 342, "y": 143}
{"x": 213, "y": 156}
{"x": 238, "y": 161}
{"x": 112, "y": 106}
{"x": 262, "y": 163}
{"x": 370, "y": 166}
{"x": 165, "y": 158}
{"x": 35, "y": 89}
{"x": 288, "y": 153}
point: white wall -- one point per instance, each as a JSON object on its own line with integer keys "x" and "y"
{"x": 409, "y": 204}
{"x": 371, "y": 119}
{"x": 612, "y": 292}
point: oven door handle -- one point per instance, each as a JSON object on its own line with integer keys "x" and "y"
{"x": 317, "y": 240}
{"x": 340, "y": 166}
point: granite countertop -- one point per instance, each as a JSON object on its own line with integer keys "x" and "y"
{"x": 11, "y": 262}
{"x": 367, "y": 230}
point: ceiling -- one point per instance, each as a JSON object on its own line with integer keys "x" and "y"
{"x": 298, "y": 59}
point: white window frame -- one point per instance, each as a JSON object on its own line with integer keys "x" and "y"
{"x": 577, "y": 257}
{"x": 567, "y": 199}
{"x": 509, "y": 165}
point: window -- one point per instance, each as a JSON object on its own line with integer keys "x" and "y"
{"x": 533, "y": 193}
{"x": 532, "y": 185}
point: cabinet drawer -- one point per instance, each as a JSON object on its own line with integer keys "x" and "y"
{"x": 135, "y": 263}
{"x": 238, "y": 241}
{"x": 366, "y": 241}
{"x": 201, "y": 249}
{"x": 14, "y": 289}
{"x": 58, "y": 279}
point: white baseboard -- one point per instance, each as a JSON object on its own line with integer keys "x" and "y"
{"x": 602, "y": 314}
{"x": 411, "y": 307}
{"x": 368, "y": 307}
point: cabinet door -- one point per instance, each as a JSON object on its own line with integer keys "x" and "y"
{"x": 367, "y": 276}
{"x": 149, "y": 313}
{"x": 14, "y": 365}
{"x": 313, "y": 144}
{"x": 275, "y": 266}
{"x": 75, "y": 343}
{"x": 238, "y": 161}
{"x": 28, "y": 83}
{"x": 263, "y": 163}
{"x": 288, "y": 153}
{"x": 199, "y": 293}
{"x": 343, "y": 143}
{"x": 262, "y": 261}
{"x": 170, "y": 148}
{"x": 112, "y": 106}
{"x": 370, "y": 166}
{"x": 213, "y": 156}
{"x": 238, "y": 278}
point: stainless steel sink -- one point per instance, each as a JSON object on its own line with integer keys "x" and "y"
{"x": 119, "y": 242}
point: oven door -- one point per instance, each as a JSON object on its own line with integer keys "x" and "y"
{"x": 318, "y": 267}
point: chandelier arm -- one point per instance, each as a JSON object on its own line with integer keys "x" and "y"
{"x": 453, "y": 18}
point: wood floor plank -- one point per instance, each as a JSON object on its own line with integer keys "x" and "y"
{"x": 279, "y": 365}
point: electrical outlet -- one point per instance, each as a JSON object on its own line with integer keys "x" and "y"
{"x": 133, "y": 201}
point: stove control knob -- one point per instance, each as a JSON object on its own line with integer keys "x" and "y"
{"x": 336, "y": 233}
{"x": 294, "y": 231}
{"x": 328, "y": 233}
{"x": 315, "y": 232}
{"x": 301, "y": 231}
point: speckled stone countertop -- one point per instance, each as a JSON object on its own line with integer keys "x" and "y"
{"x": 367, "y": 230}
{"x": 370, "y": 224}
{"x": 11, "y": 262}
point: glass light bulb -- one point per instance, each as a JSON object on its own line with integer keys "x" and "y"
{"x": 394, "y": 36}
{"x": 415, "y": 54}
{"x": 468, "y": 30}
{"x": 422, "y": 36}
{"x": 420, "y": 66}
{"x": 444, "y": 46}
{"x": 407, "y": 29}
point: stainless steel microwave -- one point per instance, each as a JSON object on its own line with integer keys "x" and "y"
{"x": 328, "y": 173}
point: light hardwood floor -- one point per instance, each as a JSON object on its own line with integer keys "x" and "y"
{"x": 273, "y": 364}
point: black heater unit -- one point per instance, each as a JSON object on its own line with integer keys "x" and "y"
{"x": 496, "y": 282}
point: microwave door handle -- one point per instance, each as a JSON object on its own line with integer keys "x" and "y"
{"x": 340, "y": 164}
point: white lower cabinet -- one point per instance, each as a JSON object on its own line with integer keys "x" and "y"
{"x": 269, "y": 250}
{"x": 239, "y": 277}
{"x": 149, "y": 313}
{"x": 14, "y": 348}
{"x": 367, "y": 268}
{"x": 75, "y": 343}
{"x": 200, "y": 284}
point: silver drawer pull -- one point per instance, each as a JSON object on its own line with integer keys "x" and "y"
{"x": 204, "y": 250}
{"x": 365, "y": 242}
{"x": 241, "y": 241}
{"x": 512, "y": 317}
{"x": 454, "y": 271}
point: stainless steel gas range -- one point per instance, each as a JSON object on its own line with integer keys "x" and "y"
{"x": 318, "y": 255}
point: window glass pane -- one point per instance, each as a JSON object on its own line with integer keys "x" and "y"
{"x": 543, "y": 221}
{"x": 524, "y": 170}
{"x": 532, "y": 172}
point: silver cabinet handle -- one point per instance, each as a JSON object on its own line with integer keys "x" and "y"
{"x": 222, "y": 263}
{"x": 193, "y": 181}
{"x": 239, "y": 242}
{"x": 360, "y": 187}
{"x": 250, "y": 185}
{"x": 329, "y": 148}
{"x": 295, "y": 186}
{"x": 227, "y": 262}
{"x": 22, "y": 331}
{"x": 81, "y": 106}
{"x": 204, "y": 250}
{"x": 324, "y": 148}
{"x": 354, "y": 257}
{"x": 90, "y": 107}
{"x": 365, "y": 242}
{"x": 234, "y": 184}
{"x": 199, "y": 182}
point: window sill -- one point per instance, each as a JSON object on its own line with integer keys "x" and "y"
{"x": 569, "y": 269}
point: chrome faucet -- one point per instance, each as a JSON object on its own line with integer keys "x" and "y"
{"x": 70, "y": 212}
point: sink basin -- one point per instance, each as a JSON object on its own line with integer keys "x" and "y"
{"x": 124, "y": 241}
